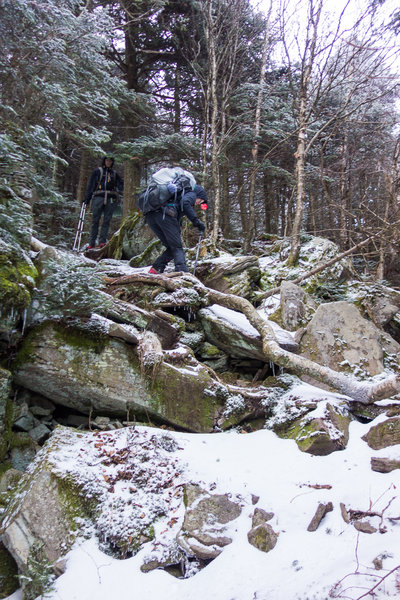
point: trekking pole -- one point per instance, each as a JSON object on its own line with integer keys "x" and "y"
{"x": 79, "y": 230}
{"x": 197, "y": 253}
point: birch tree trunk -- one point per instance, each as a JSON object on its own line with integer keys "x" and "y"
{"x": 251, "y": 229}
{"x": 308, "y": 59}
{"x": 213, "y": 72}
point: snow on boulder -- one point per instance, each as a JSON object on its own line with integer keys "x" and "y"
{"x": 322, "y": 431}
{"x": 112, "y": 485}
{"x": 339, "y": 337}
{"x": 230, "y": 274}
{"x": 204, "y": 533}
{"x": 231, "y": 332}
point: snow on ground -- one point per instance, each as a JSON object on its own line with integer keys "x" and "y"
{"x": 303, "y": 565}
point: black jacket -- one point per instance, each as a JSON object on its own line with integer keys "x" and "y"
{"x": 186, "y": 205}
{"x": 110, "y": 182}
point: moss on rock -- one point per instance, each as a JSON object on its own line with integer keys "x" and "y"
{"x": 384, "y": 434}
{"x": 320, "y": 435}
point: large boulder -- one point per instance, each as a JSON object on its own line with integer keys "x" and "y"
{"x": 103, "y": 375}
{"x": 314, "y": 251}
{"x": 232, "y": 275}
{"x": 231, "y": 332}
{"x": 378, "y": 301}
{"x": 339, "y": 337}
{"x": 115, "y": 485}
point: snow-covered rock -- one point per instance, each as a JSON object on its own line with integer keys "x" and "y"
{"x": 339, "y": 337}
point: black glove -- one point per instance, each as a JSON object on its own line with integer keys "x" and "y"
{"x": 200, "y": 226}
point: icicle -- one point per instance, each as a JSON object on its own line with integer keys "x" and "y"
{"x": 272, "y": 367}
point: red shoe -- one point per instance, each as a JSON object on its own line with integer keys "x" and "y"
{"x": 101, "y": 245}
{"x": 153, "y": 271}
{"x": 90, "y": 248}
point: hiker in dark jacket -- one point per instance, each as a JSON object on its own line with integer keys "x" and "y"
{"x": 103, "y": 189}
{"x": 167, "y": 227}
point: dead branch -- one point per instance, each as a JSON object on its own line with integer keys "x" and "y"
{"x": 363, "y": 392}
{"x": 329, "y": 263}
{"x": 370, "y": 591}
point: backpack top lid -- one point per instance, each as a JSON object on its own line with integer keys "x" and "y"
{"x": 169, "y": 174}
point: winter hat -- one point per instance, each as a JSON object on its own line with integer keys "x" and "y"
{"x": 201, "y": 193}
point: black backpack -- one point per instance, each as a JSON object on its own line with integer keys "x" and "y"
{"x": 157, "y": 196}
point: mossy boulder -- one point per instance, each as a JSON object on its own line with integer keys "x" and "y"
{"x": 230, "y": 331}
{"x": 261, "y": 534}
{"x": 384, "y": 434}
{"x": 102, "y": 375}
{"x": 133, "y": 239}
{"x": 313, "y": 252}
{"x": 235, "y": 275}
{"x": 55, "y": 504}
{"x": 322, "y": 431}
{"x": 46, "y": 513}
{"x": 377, "y": 301}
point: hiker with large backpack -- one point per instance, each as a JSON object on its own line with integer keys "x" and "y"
{"x": 104, "y": 190}
{"x": 171, "y": 194}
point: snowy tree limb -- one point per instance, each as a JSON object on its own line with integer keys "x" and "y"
{"x": 363, "y": 392}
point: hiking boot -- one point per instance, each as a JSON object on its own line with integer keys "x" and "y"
{"x": 90, "y": 248}
{"x": 101, "y": 245}
{"x": 153, "y": 271}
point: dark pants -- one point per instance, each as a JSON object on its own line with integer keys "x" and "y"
{"x": 168, "y": 231}
{"x": 98, "y": 209}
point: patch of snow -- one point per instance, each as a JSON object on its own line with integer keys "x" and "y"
{"x": 334, "y": 561}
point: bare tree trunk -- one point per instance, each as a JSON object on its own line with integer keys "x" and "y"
{"x": 83, "y": 175}
{"x": 225, "y": 203}
{"x": 241, "y": 198}
{"x": 213, "y": 73}
{"x": 300, "y": 184}
{"x": 303, "y": 120}
{"x": 132, "y": 166}
{"x": 251, "y": 230}
{"x": 344, "y": 194}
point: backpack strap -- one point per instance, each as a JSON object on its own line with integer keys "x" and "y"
{"x": 100, "y": 176}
